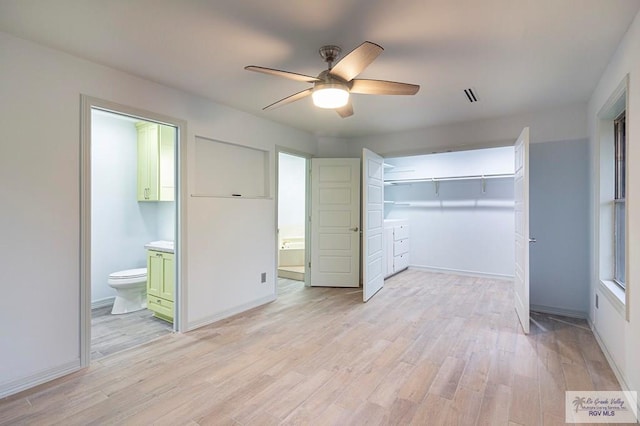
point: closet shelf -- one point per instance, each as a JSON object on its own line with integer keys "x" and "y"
{"x": 398, "y": 170}
{"x": 453, "y": 204}
{"x": 447, "y": 178}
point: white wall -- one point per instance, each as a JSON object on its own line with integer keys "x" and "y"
{"x": 120, "y": 225}
{"x": 330, "y": 147}
{"x": 567, "y": 122}
{"x": 291, "y": 196}
{"x": 460, "y": 228}
{"x": 166, "y": 217}
{"x": 39, "y": 171}
{"x": 621, "y": 337}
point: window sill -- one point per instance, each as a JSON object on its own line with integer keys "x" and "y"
{"x": 615, "y": 294}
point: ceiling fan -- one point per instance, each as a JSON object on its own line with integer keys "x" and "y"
{"x": 332, "y": 87}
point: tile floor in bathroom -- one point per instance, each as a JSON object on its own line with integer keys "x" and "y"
{"x": 115, "y": 333}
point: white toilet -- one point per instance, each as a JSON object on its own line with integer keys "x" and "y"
{"x": 131, "y": 290}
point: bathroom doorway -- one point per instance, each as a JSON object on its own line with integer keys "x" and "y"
{"x": 292, "y": 223}
{"x": 130, "y": 215}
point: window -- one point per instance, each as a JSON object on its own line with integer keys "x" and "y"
{"x": 619, "y": 199}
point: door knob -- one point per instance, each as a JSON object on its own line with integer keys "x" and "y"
{"x": 532, "y": 240}
{"x": 354, "y": 229}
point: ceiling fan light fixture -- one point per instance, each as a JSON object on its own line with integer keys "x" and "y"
{"x": 330, "y": 95}
{"x": 333, "y": 86}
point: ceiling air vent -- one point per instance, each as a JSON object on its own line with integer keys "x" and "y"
{"x": 471, "y": 95}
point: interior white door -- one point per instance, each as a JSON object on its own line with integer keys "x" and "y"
{"x": 521, "y": 196}
{"x": 372, "y": 223}
{"x": 335, "y": 222}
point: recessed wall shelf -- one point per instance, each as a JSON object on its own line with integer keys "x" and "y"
{"x": 229, "y": 170}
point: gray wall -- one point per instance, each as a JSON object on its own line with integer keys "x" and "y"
{"x": 559, "y": 214}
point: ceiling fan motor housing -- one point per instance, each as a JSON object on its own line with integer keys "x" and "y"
{"x": 330, "y": 53}
{"x": 325, "y": 77}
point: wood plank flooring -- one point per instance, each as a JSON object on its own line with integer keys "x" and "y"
{"x": 429, "y": 349}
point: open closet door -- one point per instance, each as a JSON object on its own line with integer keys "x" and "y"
{"x": 372, "y": 223}
{"x": 335, "y": 222}
{"x": 521, "y": 197}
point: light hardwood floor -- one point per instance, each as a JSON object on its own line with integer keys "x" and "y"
{"x": 429, "y": 349}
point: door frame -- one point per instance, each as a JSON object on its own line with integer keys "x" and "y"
{"x": 307, "y": 210}
{"x": 87, "y": 104}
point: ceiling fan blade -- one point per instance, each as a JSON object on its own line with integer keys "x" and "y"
{"x": 279, "y": 73}
{"x": 382, "y": 87}
{"x": 356, "y": 61}
{"x": 289, "y": 99}
{"x": 346, "y": 111}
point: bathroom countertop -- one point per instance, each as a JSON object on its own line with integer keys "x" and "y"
{"x": 164, "y": 246}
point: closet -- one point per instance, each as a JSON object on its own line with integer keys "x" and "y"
{"x": 456, "y": 207}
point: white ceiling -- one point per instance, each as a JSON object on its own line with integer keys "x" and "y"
{"x": 518, "y": 55}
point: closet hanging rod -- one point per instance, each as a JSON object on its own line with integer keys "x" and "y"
{"x": 437, "y": 179}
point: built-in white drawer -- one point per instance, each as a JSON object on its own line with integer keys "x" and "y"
{"x": 400, "y": 262}
{"x": 400, "y": 232}
{"x": 400, "y": 247}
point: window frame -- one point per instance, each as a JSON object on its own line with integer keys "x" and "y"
{"x": 619, "y": 201}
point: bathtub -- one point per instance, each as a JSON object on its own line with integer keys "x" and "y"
{"x": 291, "y": 252}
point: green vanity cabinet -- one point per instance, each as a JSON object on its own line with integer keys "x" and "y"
{"x": 156, "y": 162}
{"x": 160, "y": 284}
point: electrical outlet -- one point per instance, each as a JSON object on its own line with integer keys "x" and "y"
{"x": 263, "y": 277}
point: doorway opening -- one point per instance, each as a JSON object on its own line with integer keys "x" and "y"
{"x": 130, "y": 198}
{"x": 292, "y": 217}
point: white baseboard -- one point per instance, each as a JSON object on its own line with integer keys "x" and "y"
{"x": 461, "y": 272}
{"x": 101, "y": 303}
{"x": 192, "y": 325}
{"x": 39, "y": 378}
{"x": 558, "y": 311}
{"x": 612, "y": 364}
{"x": 390, "y": 275}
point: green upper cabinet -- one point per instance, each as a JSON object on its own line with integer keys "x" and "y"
{"x": 156, "y": 162}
